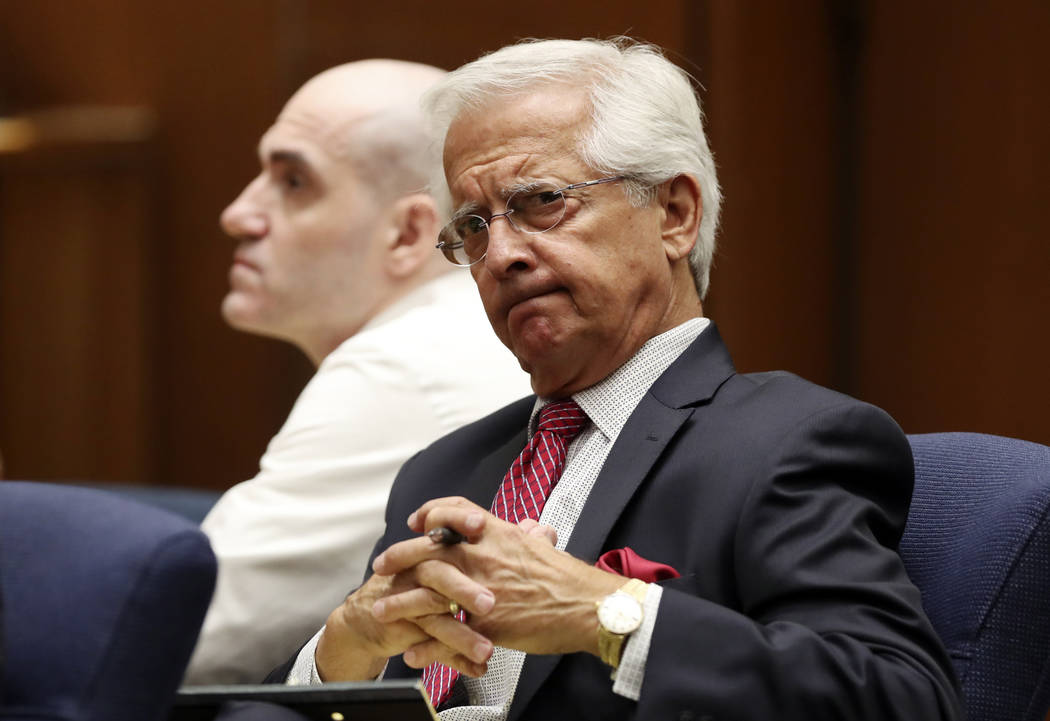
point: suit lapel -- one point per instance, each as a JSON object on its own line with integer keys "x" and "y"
{"x": 642, "y": 440}
{"x": 689, "y": 382}
{"x": 483, "y": 482}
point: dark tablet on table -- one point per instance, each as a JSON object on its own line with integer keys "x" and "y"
{"x": 354, "y": 701}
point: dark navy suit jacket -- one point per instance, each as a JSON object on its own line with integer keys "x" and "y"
{"x": 780, "y": 503}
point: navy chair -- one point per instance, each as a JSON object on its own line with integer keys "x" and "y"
{"x": 102, "y": 599}
{"x": 977, "y": 544}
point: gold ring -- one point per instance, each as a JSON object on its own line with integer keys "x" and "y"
{"x": 453, "y": 607}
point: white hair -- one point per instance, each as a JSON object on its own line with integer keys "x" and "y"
{"x": 646, "y": 121}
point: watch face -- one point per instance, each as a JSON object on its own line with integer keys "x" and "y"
{"x": 620, "y": 613}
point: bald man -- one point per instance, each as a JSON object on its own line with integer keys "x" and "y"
{"x": 335, "y": 253}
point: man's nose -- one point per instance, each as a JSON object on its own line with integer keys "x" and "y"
{"x": 508, "y": 248}
{"x": 244, "y": 219}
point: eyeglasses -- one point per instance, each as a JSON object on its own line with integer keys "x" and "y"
{"x": 535, "y": 209}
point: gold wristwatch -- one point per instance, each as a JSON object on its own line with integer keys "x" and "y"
{"x": 619, "y": 615}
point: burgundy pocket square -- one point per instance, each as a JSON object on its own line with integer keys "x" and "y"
{"x": 626, "y": 562}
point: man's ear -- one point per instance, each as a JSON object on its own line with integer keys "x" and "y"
{"x": 412, "y": 235}
{"x": 682, "y": 206}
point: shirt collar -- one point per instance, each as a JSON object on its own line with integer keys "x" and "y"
{"x": 612, "y": 400}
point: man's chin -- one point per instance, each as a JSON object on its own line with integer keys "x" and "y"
{"x": 240, "y": 313}
{"x": 549, "y": 379}
{"x": 553, "y": 386}
{"x": 559, "y": 370}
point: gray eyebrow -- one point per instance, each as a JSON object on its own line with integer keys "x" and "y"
{"x": 522, "y": 187}
{"x": 472, "y": 208}
{"x": 469, "y": 208}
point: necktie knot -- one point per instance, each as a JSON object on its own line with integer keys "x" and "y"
{"x": 565, "y": 418}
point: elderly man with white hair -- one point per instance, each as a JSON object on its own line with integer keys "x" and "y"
{"x": 652, "y": 535}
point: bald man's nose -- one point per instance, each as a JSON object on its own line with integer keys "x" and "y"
{"x": 243, "y": 219}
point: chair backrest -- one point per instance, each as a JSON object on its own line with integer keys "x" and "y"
{"x": 102, "y": 598}
{"x": 977, "y": 544}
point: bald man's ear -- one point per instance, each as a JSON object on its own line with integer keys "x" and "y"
{"x": 682, "y": 206}
{"x": 413, "y": 234}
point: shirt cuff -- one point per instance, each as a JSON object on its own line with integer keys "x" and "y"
{"x": 631, "y": 673}
{"x": 304, "y": 670}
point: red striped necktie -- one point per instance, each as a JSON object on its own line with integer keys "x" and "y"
{"x": 522, "y": 495}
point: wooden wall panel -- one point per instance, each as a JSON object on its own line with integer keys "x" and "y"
{"x": 216, "y": 396}
{"x": 770, "y": 109}
{"x": 216, "y": 74}
{"x": 77, "y": 377}
{"x": 954, "y": 276}
{"x": 883, "y": 169}
{"x": 448, "y": 35}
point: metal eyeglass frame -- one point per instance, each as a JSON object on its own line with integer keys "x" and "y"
{"x": 510, "y": 211}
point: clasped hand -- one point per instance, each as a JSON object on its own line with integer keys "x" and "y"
{"x": 517, "y": 589}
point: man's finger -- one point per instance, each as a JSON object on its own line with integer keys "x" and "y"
{"x": 457, "y": 638}
{"x": 423, "y": 654}
{"x": 409, "y": 605}
{"x": 469, "y": 520}
{"x": 539, "y": 530}
{"x": 406, "y": 554}
{"x": 417, "y": 519}
{"x": 453, "y": 584}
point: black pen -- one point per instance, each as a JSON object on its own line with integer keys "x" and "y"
{"x": 445, "y": 536}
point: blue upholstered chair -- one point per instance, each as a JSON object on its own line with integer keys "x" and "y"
{"x": 102, "y": 601}
{"x": 977, "y": 545}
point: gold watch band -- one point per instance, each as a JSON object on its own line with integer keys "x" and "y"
{"x": 636, "y": 588}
